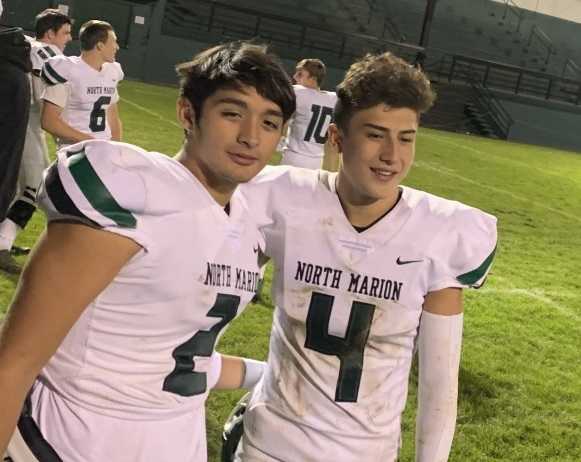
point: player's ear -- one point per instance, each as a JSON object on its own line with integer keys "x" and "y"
{"x": 335, "y": 137}
{"x": 185, "y": 113}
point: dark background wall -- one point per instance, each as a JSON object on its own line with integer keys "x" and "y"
{"x": 174, "y": 30}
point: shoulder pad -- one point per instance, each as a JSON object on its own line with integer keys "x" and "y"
{"x": 464, "y": 251}
{"x": 97, "y": 182}
{"x": 40, "y": 53}
{"x": 57, "y": 69}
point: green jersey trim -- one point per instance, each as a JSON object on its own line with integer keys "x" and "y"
{"x": 96, "y": 192}
{"x": 472, "y": 277}
{"x": 52, "y": 76}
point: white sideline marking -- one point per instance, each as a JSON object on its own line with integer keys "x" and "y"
{"x": 539, "y": 295}
{"x": 150, "y": 112}
{"x": 445, "y": 171}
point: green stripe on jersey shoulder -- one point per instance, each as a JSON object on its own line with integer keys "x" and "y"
{"x": 96, "y": 192}
{"x": 42, "y": 54}
{"x": 50, "y": 51}
{"x": 53, "y": 74}
{"x": 472, "y": 277}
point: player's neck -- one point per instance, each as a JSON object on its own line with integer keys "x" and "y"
{"x": 361, "y": 210}
{"x": 312, "y": 86}
{"x": 93, "y": 60}
{"x": 220, "y": 190}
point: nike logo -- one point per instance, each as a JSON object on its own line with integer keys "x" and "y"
{"x": 399, "y": 261}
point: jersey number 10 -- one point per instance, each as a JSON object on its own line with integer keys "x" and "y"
{"x": 317, "y": 123}
{"x": 348, "y": 349}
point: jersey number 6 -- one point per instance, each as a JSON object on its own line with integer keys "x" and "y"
{"x": 348, "y": 349}
{"x": 183, "y": 380}
{"x": 98, "y": 120}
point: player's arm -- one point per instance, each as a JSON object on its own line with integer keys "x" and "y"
{"x": 114, "y": 122}
{"x": 70, "y": 266}
{"x": 439, "y": 346}
{"x": 51, "y": 120}
{"x": 231, "y": 372}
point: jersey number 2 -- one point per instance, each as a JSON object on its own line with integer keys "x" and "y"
{"x": 318, "y": 119}
{"x": 98, "y": 120}
{"x": 348, "y": 349}
{"x": 183, "y": 380}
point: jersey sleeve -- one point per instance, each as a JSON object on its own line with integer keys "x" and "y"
{"x": 463, "y": 254}
{"x": 118, "y": 75}
{"x": 260, "y": 192}
{"x": 119, "y": 70}
{"x": 57, "y": 69}
{"x": 39, "y": 55}
{"x": 56, "y": 94}
{"x": 100, "y": 184}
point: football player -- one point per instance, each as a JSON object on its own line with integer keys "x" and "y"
{"x": 53, "y": 32}
{"x": 382, "y": 270}
{"x": 80, "y": 102}
{"x": 307, "y": 131}
{"x": 109, "y": 342}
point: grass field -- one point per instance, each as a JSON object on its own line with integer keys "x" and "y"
{"x": 520, "y": 381}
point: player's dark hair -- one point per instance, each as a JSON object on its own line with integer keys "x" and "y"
{"x": 93, "y": 32}
{"x": 316, "y": 69}
{"x": 233, "y": 65}
{"x": 49, "y": 19}
{"x": 383, "y": 78}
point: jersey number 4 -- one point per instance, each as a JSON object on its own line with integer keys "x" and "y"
{"x": 98, "y": 120}
{"x": 317, "y": 123}
{"x": 348, "y": 349}
{"x": 183, "y": 380}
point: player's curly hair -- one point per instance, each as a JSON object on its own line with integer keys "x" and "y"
{"x": 232, "y": 65}
{"x": 383, "y": 78}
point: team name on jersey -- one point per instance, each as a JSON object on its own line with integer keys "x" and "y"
{"x": 100, "y": 90}
{"x": 220, "y": 275}
{"x": 325, "y": 276}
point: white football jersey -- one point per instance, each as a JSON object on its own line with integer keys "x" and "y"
{"x": 83, "y": 92}
{"x": 35, "y": 151}
{"x": 40, "y": 52}
{"x": 308, "y": 128}
{"x": 142, "y": 350}
{"x": 348, "y": 306}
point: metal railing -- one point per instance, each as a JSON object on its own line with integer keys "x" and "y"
{"x": 189, "y": 18}
{"x": 513, "y": 79}
{"x": 539, "y": 39}
{"x": 571, "y": 67}
{"x": 239, "y": 22}
{"x": 490, "y": 107}
{"x": 512, "y": 11}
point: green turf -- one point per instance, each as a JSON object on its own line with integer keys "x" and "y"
{"x": 520, "y": 382}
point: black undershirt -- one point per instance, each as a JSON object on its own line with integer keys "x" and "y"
{"x": 360, "y": 229}
{"x": 227, "y": 209}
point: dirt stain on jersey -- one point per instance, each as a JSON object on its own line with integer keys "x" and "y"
{"x": 289, "y": 380}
